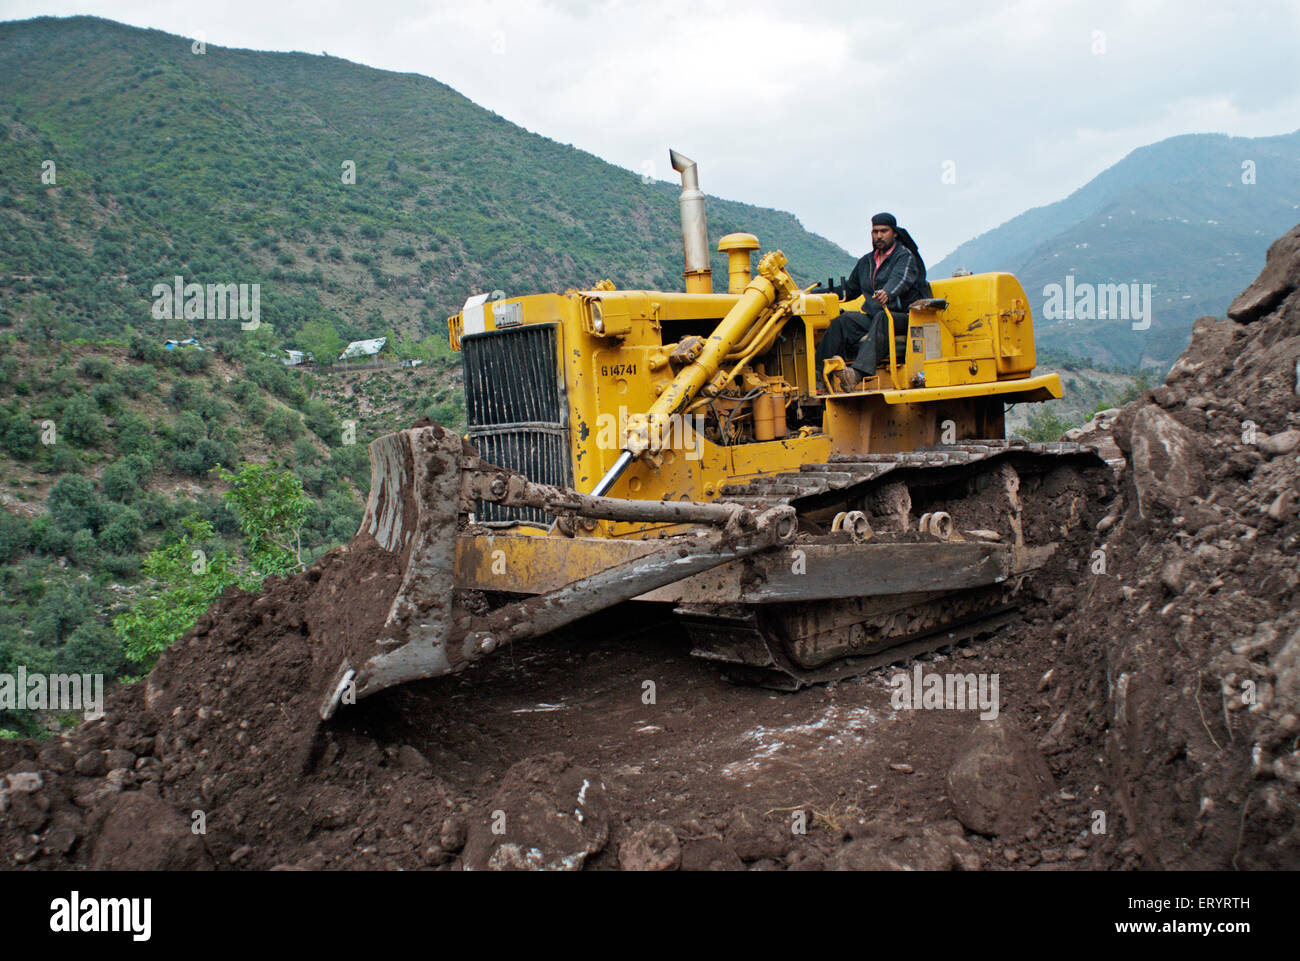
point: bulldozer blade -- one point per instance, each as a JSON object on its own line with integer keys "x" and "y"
{"x": 419, "y": 481}
{"x": 411, "y": 513}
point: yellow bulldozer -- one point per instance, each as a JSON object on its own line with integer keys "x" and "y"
{"x": 672, "y": 448}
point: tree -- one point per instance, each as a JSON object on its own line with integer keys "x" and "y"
{"x": 74, "y": 504}
{"x": 191, "y": 577}
{"x": 1044, "y": 427}
{"x": 83, "y": 423}
{"x": 271, "y": 507}
{"x": 46, "y": 326}
{"x": 320, "y": 340}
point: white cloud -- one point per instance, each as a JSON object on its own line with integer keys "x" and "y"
{"x": 831, "y": 110}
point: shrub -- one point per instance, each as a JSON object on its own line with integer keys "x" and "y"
{"x": 92, "y": 649}
{"x": 122, "y": 534}
{"x": 48, "y": 537}
{"x": 60, "y": 612}
{"x": 321, "y": 420}
{"x": 202, "y": 457}
{"x": 83, "y": 550}
{"x": 120, "y": 565}
{"x": 138, "y": 380}
{"x": 19, "y": 435}
{"x": 282, "y": 424}
{"x": 134, "y": 436}
{"x": 83, "y": 423}
{"x": 189, "y": 429}
{"x": 107, "y": 396}
{"x": 15, "y": 535}
{"x": 74, "y": 504}
{"x": 96, "y": 368}
{"x": 123, "y": 478}
{"x": 181, "y": 392}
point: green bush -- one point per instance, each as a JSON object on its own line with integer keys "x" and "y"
{"x": 320, "y": 419}
{"x": 191, "y": 573}
{"x": 138, "y": 380}
{"x": 1045, "y": 426}
{"x": 83, "y": 423}
{"x": 65, "y": 461}
{"x": 125, "y": 566}
{"x": 19, "y": 435}
{"x": 281, "y": 424}
{"x": 135, "y": 436}
{"x": 48, "y": 537}
{"x": 121, "y": 479}
{"x": 192, "y": 361}
{"x": 122, "y": 534}
{"x": 157, "y": 510}
{"x": 92, "y": 648}
{"x": 189, "y": 429}
{"x": 108, "y": 396}
{"x": 84, "y": 551}
{"x": 59, "y": 613}
{"x": 15, "y": 535}
{"x": 74, "y": 504}
{"x": 202, "y": 457}
{"x": 96, "y": 368}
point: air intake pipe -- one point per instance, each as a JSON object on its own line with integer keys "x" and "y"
{"x": 695, "y": 230}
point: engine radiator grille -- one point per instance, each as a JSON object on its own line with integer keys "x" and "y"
{"x": 515, "y": 406}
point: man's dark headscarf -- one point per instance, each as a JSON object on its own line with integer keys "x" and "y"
{"x": 904, "y": 238}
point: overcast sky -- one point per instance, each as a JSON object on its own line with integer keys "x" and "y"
{"x": 831, "y": 109}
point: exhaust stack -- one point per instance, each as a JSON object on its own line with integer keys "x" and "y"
{"x": 695, "y": 231}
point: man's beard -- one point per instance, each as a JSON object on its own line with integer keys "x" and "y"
{"x": 880, "y": 243}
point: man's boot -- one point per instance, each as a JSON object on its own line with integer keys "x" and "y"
{"x": 851, "y": 378}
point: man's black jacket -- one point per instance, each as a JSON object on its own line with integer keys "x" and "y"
{"x": 901, "y": 276}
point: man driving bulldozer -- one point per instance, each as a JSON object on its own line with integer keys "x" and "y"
{"x": 893, "y": 276}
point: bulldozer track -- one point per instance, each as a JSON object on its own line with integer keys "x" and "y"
{"x": 847, "y": 476}
{"x": 787, "y": 647}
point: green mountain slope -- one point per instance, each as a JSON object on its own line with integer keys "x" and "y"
{"x": 1176, "y": 215}
{"x": 228, "y": 167}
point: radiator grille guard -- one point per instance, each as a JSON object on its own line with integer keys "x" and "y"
{"x": 516, "y": 410}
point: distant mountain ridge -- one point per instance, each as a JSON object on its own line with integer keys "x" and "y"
{"x": 232, "y": 167}
{"x": 1191, "y": 215}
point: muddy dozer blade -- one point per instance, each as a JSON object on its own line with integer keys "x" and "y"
{"x": 390, "y": 592}
{"x": 409, "y": 533}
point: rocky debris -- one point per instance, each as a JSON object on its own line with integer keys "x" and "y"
{"x": 1279, "y": 279}
{"x": 889, "y": 847}
{"x": 710, "y": 854}
{"x": 547, "y": 815}
{"x": 997, "y": 778}
{"x": 1192, "y": 624}
{"x": 755, "y": 838}
{"x": 651, "y": 847}
{"x": 1166, "y": 466}
{"x": 1097, "y": 433}
{"x": 222, "y": 737}
{"x": 142, "y": 833}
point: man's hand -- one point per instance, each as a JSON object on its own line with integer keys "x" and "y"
{"x": 880, "y": 297}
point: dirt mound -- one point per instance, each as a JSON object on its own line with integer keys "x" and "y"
{"x": 1194, "y": 619}
{"x": 217, "y": 758}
